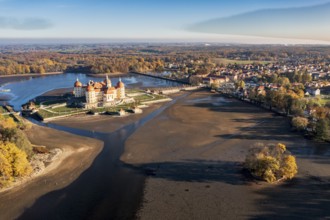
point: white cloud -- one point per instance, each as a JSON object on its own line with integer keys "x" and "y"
{"x": 24, "y": 24}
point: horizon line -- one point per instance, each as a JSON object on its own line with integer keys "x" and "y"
{"x": 99, "y": 40}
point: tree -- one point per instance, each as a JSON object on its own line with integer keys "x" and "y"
{"x": 13, "y": 162}
{"x": 240, "y": 84}
{"x": 289, "y": 167}
{"x": 7, "y": 122}
{"x": 41, "y": 70}
{"x": 306, "y": 78}
{"x": 322, "y": 130}
{"x": 9, "y": 132}
{"x": 283, "y": 81}
{"x": 297, "y": 78}
{"x": 299, "y": 123}
{"x": 270, "y": 98}
{"x": 273, "y": 78}
{"x": 271, "y": 162}
{"x": 298, "y": 107}
{"x": 195, "y": 80}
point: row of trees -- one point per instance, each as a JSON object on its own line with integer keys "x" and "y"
{"x": 292, "y": 77}
{"x": 92, "y": 63}
{"x": 308, "y": 114}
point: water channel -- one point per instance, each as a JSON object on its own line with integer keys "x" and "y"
{"x": 108, "y": 189}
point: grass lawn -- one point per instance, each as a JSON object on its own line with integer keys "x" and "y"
{"x": 228, "y": 61}
{"x": 52, "y": 102}
{"x": 2, "y": 110}
{"x": 66, "y": 110}
{"x": 324, "y": 101}
{"x": 149, "y": 97}
{"x": 45, "y": 114}
{"x": 128, "y": 91}
{"x": 59, "y": 112}
{"x": 143, "y": 97}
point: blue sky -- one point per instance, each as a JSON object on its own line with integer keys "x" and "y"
{"x": 143, "y": 19}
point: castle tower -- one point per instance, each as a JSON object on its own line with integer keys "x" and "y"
{"x": 120, "y": 89}
{"x": 90, "y": 93}
{"x": 107, "y": 81}
{"x": 78, "y": 89}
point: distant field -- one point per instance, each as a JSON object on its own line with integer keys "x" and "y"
{"x": 228, "y": 61}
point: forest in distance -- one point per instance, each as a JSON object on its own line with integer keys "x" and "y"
{"x": 189, "y": 60}
{"x": 275, "y": 75}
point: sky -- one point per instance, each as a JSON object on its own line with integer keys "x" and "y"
{"x": 240, "y": 21}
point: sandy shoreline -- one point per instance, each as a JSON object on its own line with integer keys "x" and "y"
{"x": 31, "y": 74}
{"x": 78, "y": 153}
{"x": 102, "y": 75}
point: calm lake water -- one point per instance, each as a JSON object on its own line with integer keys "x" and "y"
{"x": 27, "y": 89}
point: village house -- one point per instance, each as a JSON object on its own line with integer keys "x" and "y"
{"x": 313, "y": 91}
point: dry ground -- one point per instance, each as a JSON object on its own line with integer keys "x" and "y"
{"x": 78, "y": 153}
{"x": 194, "y": 151}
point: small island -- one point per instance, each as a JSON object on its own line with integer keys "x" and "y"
{"x": 93, "y": 98}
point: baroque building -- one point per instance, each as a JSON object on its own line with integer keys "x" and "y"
{"x": 101, "y": 94}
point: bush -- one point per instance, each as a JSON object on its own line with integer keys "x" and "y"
{"x": 271, "y": 163}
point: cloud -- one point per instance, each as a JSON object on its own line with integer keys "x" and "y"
{"x": 24, "y": 24}
{"x": 302, "y": 23}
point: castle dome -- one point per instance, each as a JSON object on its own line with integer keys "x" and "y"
{"x": 120, "y": 84}
{"x": 78, "y": 84}
{"x": 110, "y": 90}
{"x": 90, "y": 88}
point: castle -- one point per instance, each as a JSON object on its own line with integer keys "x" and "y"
{"x": 100, "y": 94}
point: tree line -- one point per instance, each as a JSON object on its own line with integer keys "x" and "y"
{"x": 307, "y": 113}
{"x": 191, "y": 59}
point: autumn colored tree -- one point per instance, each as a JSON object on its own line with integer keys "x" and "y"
{"x": 271, "y": 162}
{"x": 299, "y": 123}
{"x": 10, "y": 132}
{"x": 13, "y": 163}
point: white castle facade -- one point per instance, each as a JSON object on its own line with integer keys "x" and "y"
{"x": 101, "y": 94}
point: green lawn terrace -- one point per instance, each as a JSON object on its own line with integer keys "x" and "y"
{"x": 64, "y": 106}
{"x": 325, "y": 100}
